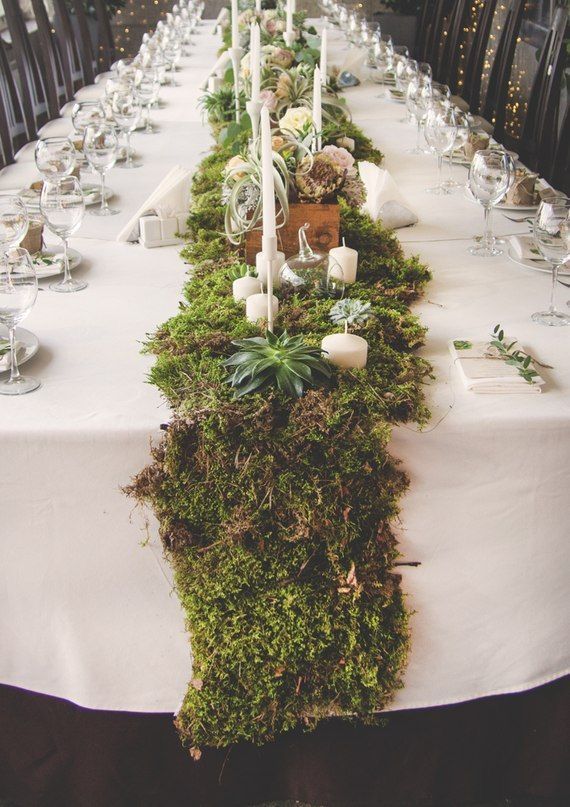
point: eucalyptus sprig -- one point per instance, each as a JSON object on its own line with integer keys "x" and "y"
{"x": 515, "y": 357}
{"x": 285, "y": 362}
{"x": 350, "y": 312}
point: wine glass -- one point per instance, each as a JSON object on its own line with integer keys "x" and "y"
{"x": 440, "y": 131}
{"x": 63, "y": 207}
{"x": 462, "y": 129}
{"x": 418, "y": 100}
{"x": 18, "y": 292}
{"x": 147, "y": 87}
{"x": 551, "y": 231}
{"x": 489, "y": 179}
{"x": 55, "y": 157}
{"x": 85, "y": 113}
{"x": 13, "y": 221}
{"x": 171, "y": 51}
{"x": 127, "y": 114}
{"x": 100, "y": 148}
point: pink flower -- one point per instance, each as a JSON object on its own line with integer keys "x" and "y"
{"x": 340, "y": 156}
{"x": 268, "y": 99}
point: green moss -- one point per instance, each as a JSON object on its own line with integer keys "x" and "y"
{"x": 276, "y": 513}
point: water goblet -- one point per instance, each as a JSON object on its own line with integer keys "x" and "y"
{"x": 18, "y": 292}
{"x": 127, "y": 114}
{"x": 55, "y": 157}
{"x": 147, "y": 88}
{"x": 440, "y": 131}
{"x": 86, "y": 112}
{"x": 63, "y": 207}
{"x": 171, "y": 52}
{"x": 417, "y": 100}
{"x": 13, "y": 221}
{"x": 462, "y": 129}
{"x": 551, "y": 232}
{"x": 100, "y": 146}
{"x": 489, "y": 179}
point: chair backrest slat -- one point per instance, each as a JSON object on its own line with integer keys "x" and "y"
{"x": 85, "y": 47}
{"x": 12, "y": 127}
{"x": 58, "y": 83}
{"x": 106, "y": 46}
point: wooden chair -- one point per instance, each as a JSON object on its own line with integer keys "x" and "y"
{"x": 84, "y": 44}
{"x": 106, "y": 52}
{"x": 470, "y": 87}
{"x": 33, "y": 93}
{"x": 12, "y": 127}
{"x": 558, "y": 172}
{"x": 494, "y": 95}
{"x": 58, "y": 82}
{"x": 68, "y": 46}
{"x": 422, "y": 31}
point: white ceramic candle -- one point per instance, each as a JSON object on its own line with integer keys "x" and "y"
{"x": 267, "y": 181}
{"x": 323, "y": 63}
{"x": 257, "y": 307}
{"x": 345, "y": 350}
{"x": 261, "y": 266}
{"x": 289, "y": 19}
{"x": 317, "y": 110}
{"x": 255, "y": 61}
{"x": 244, "y": 287}
{"x": 347, "y": 259}
{"x": 235, "y": 33}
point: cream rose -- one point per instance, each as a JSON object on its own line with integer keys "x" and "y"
{"x": 341, "y": 157}
{"x": 296, "y": 119}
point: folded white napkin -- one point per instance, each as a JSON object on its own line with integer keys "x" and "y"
{"x": 218, "y": 69}
{"x": 487, "y": 374}
{"x": 169, "y": 199}
{"x": 524, "y": 248}
{"x": 383, "y": 199}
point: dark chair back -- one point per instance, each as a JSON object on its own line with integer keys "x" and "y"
{"x": 68, "y": 45}
{"x": 33, "y": 89}
{"x": 479, "y": 57}
{"x": 106, "y": 52}
{"x": 558, "y": 173}
{"x": 58, "y": 84}
{"x": 84, "y": 44}
{"x": 12, "y": 127}
{"x": 497, "y": 89}
{"x": 422, "y": 30}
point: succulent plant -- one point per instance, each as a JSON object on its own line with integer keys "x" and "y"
{"x": 285, "y": 362}
{"x": 318, "y": 178}
{"x": 350, "y": 312}
{"x": 241, "y": 270}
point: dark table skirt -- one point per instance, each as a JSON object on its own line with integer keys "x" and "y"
{"x": 517, "y": 746}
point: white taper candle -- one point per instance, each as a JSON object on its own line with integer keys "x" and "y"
{"x": 323, "y": 64}
{"x": 255, "y": 60}
{"x": 268, "y": 186}
{"x": 235, "y": 32}
{"x": 317, "y": 109}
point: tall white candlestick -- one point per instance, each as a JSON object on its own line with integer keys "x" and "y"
{"x": 255, "y": 61}
{"x": 268, "y": 186}
{"x": 258, "y": 6}
{"x": 289, "y": 17}
{"x": 323, "y": 64}
{"x": 235, "y": 32}
{"x": 317, "y": 109}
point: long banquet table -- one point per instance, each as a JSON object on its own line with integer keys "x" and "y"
{"x": 87, "y": 607}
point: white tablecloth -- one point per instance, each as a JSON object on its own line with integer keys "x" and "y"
{"x": 87, "y": 609}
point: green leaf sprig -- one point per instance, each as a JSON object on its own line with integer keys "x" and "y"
{"x": 285, "y": 362}
{"x": 515, "y": 357}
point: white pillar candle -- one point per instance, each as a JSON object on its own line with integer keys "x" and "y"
{"x": 235, "y": 32}
{"x": 257, "y": 307}
{"x": 255, "y": 61}
{"x": 244, "y": 287}
{"x": 289, "y": 18}
{"x": 317, "y": 110}
{"x": 345, "y": 350}
{"x": 268, "y": 185}
{"x": 323, "y": 62}
{"x": 261, "y": 266}
{"x": 347, "y": 259}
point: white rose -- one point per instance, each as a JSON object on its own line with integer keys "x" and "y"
{"x": 296, "y": 119}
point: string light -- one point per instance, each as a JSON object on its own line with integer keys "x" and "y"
{"x": 133, "y": 20}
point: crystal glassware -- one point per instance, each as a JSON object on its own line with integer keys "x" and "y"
{"x": 100, "y": 147}
{"x": 147, "y": 88}
{"x": 462, "y": 129}
{"x": 18, "y": 292}
{"x": 417, "y": 100}
{"x": 127, "y": 113}
{"x": 55, "y": 157}
{"x": 63, "y": 207}
{"x": 85, "y": 113}
{"x": 489, "y": 179}
{"x": 440, "y": 131}
{"x": 13, "y": 221}
{"x": 551, "y": 232}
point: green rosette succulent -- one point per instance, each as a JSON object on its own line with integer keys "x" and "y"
{"x": 285, "y": 362}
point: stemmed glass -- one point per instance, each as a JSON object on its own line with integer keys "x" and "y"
{"x": 147, "y": 87}
{"x": 551, "y": 231}
{"x": 100, "y": 147}
{"x": 18, "y": 292}
{"x": 440, "y": 131}
{"x": 55, "y": 157}
{"x": 85, "y": 113}
{"x": 462, "y": 129}
{"x": 418, "y": 100}
{"x": 13, "y": 221}
{"x": 127, "y": 114}
{"x": 489, "y": 179}
{"x": 63, "y": 207}
{"x": 171, "y": 51}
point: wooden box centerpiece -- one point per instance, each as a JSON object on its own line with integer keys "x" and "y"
{"x": 324, "y": 232}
